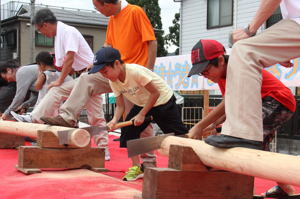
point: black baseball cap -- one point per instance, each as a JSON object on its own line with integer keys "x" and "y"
{"x": 103, "y": 56}
{"x": 204, "y": 51}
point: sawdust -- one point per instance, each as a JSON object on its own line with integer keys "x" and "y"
{"x": 66, "y": 174}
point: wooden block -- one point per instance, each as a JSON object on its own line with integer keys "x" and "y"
{"x": 167, "y": 183}
{"x": 8, "y": 141}
{"x": 138, "y": 196}
{"x": 46, "y": 139}
{"x": 28, "y": 171}
{"x": 36, "y": 157}
{"x": 185, "y": 159}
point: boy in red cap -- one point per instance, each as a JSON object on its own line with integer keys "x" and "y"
{"x": 209, "y": 59}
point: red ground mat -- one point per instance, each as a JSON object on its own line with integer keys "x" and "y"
{"x": 78, "y": 184}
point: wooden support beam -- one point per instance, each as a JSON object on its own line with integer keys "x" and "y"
{"x": 167, "y": 183}
{"x": 273, "y": 166}
{"x": 205, "y": 102}
{"x": 77, "y": 137}
{"x": 184, "y": 159}
{"x": 32, "y": 158}
{"x": 10, "y": 141}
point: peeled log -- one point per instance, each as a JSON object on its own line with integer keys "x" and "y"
{"x": 273, "y": 166}
{"x": 78, "y": 137}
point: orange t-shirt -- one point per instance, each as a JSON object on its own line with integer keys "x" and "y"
{"x": 129, "y": 32}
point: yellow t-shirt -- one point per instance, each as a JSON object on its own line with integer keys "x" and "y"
{"x": 133, "y": 88}
{"x": 129, "y": 31}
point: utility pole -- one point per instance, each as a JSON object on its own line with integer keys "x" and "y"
{"x": 32, "y": 31}
{"x": 1, "y": 44}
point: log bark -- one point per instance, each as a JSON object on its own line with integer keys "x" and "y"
{"x": 273, "y": 166}
{"x": 78, "y": 137}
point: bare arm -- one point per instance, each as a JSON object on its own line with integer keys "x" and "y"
{"x": 106, "y": 45}
{"x": 152, "y": 50}
{"x": 40, "y": 81}
{"x": 118, "y": 112}
{"x": 140, "y": 117}
{"x": 265, "y": 10}
{"x": 216, "y": 113}
{"x": 66, "y": 69}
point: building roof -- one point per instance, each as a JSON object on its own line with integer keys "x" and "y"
{"x": 70, "y": 15}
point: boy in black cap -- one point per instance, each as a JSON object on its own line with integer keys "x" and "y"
{"x": 149, "y": 94}
{"x": 209, "y": 59}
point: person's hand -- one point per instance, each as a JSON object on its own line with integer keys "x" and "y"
{"x": 195, "y": 132}
{"x": 55, "y": 84}
{"x": 4, "y": 116}
{"x": 287, "y": 64}
{"x": 21, "y": 109}
{"x": 138, "y": 119}
{"x": 111, "y": 125}
{"x": 88, "y": 67}
{"x": 237, "y": 35}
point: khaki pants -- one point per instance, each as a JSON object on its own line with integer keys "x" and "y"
{"x": 83, "y": 92}
{"x": 243, "y": 104}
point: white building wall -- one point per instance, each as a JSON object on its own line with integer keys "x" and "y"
{"x": 194, "y": 19}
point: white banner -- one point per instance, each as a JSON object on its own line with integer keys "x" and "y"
{"x": 174, "y": 70}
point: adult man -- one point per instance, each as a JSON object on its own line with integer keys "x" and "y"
{"x": 25, "y": 78}
{"x": 130, "y": 31}
{"x": 277, "y": 44}
{"x": 72, "y": 53}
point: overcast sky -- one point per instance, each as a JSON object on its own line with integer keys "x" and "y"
{"x": 168, "y": 7}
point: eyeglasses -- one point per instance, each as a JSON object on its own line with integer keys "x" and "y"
{"x": 206, "y": 71}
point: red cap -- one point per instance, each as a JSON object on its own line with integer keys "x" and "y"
{"x": 204, "y": 51}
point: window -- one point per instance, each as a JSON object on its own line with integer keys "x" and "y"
{"x": 90, "y": 40}
{"x": 10, "y": 39}
{"x": 41, "y": 40}
{"x": 274, "y": 18}
{"x": 219, "y": 13}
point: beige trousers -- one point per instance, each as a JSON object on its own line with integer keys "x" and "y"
{"x": 83, "y": 92}
{"x": 243, "y": 104}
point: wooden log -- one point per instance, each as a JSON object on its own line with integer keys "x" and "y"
{"x": 273, "y": 166}
{"x": 46, "y": 139}
{"x": 78, "y": 137}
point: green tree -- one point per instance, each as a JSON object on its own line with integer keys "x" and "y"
{"x": 152, "y": 10}
{"x": 173, "y": 37}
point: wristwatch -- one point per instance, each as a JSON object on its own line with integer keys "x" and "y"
{"x": 247, "y": 31}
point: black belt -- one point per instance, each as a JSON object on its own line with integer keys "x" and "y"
{"x": 78, "y": 73}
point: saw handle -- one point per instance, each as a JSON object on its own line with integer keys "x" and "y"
{"x": 130, "y": 122}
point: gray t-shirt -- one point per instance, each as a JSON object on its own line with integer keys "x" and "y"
{"x": 25, "y": 78}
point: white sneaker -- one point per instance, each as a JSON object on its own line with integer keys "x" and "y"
{"x": 107, "y": 154}
{"x": 21, "y": 118}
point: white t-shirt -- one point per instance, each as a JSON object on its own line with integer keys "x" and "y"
{"x": 133, "y": 88}
{"x": 51, "y": 76}
{"x": 290, "y": 9}
{"x": 68, "y": 39}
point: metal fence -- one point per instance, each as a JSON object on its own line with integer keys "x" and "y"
{"x": 191, "y": 115}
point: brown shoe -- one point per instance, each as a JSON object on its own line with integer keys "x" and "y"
{"x": 57, "y": 121}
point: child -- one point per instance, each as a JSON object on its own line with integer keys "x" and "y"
{"x": 47, "y": 74}
{"x": 149, "y": 94}
{"x": 209, "y": 60}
